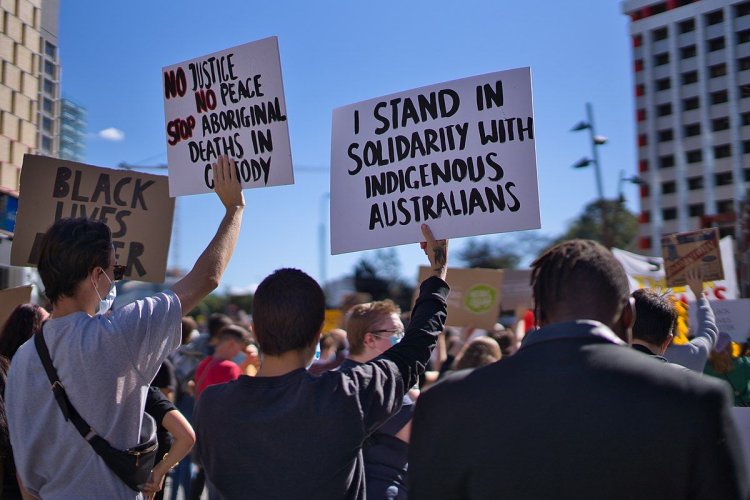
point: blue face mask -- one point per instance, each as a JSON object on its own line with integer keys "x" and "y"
{"x": 105, "y": 304}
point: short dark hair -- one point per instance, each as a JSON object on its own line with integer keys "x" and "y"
{"x": 579, "y": 276}
{"x": 655, "y": 316}
{"x": 288, "y": 311}
{"x": 22, "y": 323}
{"x": 70, "y": 250}
{"x": 189, "y": 325}
{"x": 234, "y": 332}
{"x": 216, "y": 322}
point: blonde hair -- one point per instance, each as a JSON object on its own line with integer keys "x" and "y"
{"x": 362, "y": 318}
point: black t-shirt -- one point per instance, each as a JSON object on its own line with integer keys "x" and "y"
{"x": 301, "y": 436}
{"x": 157, "y": 405}
{"x": 166, "y": 377}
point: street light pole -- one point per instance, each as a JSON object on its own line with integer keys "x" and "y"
{"x": 322, "y": 239}
{"x": 595, "y": 141}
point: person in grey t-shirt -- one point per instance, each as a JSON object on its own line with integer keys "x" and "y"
{"x": 104, "y": 361}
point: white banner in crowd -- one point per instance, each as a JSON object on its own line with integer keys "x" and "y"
{"x": 648, "y": 272}
{"x": 459, "y": 156}
{"x": 230, "y": 102}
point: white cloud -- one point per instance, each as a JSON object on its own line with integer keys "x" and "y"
{"x": 111, "y": 134}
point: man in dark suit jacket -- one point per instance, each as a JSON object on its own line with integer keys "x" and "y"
{"x": 575, "y": 414}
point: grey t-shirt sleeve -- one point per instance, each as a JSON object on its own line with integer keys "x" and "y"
{"x": 151, "y": 330}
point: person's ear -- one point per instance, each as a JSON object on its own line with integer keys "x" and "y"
{"x": 666, "y": 343}
{"x": 627, "y": 320}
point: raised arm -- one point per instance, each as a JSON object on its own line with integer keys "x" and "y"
{"x": 184, "y": 439}
{"x": 707, "y": 332}
{"x": 210, "y": 266}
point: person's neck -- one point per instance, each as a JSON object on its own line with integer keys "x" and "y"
{"x": 276, "y": 366}
{"x": 651, "y": 347}
{"x": 69, "y": 305}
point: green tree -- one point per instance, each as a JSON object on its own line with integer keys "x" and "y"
{"x": 619, "y": 230}
{"x": 379, "y": 275}
{"x": 489, "y": 255}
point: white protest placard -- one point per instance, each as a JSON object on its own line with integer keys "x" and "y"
{"x": 459, "y": 156}
{"x": 648, "y": 272}
{"x": 731, "y": 316}
{"x": 229, "y": 102}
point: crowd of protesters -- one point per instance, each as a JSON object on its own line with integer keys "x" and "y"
{"x": 586, "y": 396}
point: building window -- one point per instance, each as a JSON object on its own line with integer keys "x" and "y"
{"x": 714, "y": 17}
{"x": 695, "y": 183}
{"x": 644, "y": 242}
{"x": 663, "y": 84}
{"x": 719, "y": 97}
{"x": 50, "y": 50}
{"x": 690, "y": 103}
{"x": 49, "y": 69}
{"x": 725, "y": 206}
{"x": 644, "y": 191}
{"x": 746, "y": 118}
{"x": 645, "y": 217}
{"x": 638, "y": 65}
{"x": 720, "y": 124}
{"x": 637, "y": 40}
{"x": 669, "y": 213}
{"x": 717, "y": 70}
{"x": 661, "y": 59}
{"x": 687, "y": 52}
{"x": 687, "y": 26}
{"x": 643, "y": 166}
{"x": 747, "y": 175}
{"x": 640, "y": 89}
{"x": 743, "y": 63}
{"x": 666, "y": 161}
{"x": 723, "y": 179}
{"x": 659, "y": 34}
{"x": 46, "y": 144}
{"x": 722, "y": 151}
{"x": 664, "y": 135}
{"x": 742, "y": 9}
{"x": 694, "y": 156}
{"x": 689, "y": 77}
{"x": 696, "y": 210}
{"x": 743, "y": 36}
{"x": 692, "y": 130}
{"x": 49, "y": 87}
{"x": 48, "y": 105}
{"x": 642, "y": 140}
{"x": 47, "y": 124}
{"x": 668, "y": 187}
{"x": 664, "y": 109}
{"x": 746, "y": 147}
{"x": 715, "y": 44}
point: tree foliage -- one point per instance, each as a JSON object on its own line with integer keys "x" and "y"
{"x": 379, "y": 275}
{"x": 619, "y": 229}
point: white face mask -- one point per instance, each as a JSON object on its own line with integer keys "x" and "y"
{"x": 105, "y": 304}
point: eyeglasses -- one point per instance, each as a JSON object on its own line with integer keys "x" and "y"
{"x": 118, "y": 272}
{"x": 399, "y": 334}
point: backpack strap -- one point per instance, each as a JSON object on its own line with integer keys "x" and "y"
{"x": 68, "y": 410}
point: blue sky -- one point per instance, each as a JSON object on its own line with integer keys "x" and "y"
{"x": 337, "y": 53}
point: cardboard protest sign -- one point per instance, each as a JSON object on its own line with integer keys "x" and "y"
{"x": 693, "y": 249}
{"x": 732, "y": 317}
{"x": 332, "y": 320}
{"x": 229, "y": 102}
{"x": 135, "y": 206}
{"x": 648, "y": 272}
{"x": 459, "y": 156}
{"x": 10, "y": 298}
{"x": 516, "y": 289}
{"x": 475, "y": 296}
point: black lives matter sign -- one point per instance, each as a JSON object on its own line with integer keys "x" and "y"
{"x": 227, "y": 103}
{"x": 459, "y": 156}
{"x": 136, "y": 207}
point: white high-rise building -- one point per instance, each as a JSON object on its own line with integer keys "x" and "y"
{"x": 691, "y": 61}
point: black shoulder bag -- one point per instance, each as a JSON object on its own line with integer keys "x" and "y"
{"x": 134, "y": 465}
